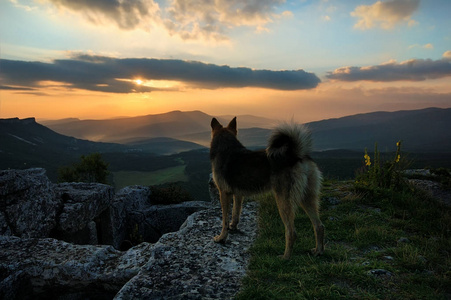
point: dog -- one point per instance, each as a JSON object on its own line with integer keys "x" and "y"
{"x": 285, "y": 167}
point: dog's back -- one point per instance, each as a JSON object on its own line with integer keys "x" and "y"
{"x": 242, "y": 171}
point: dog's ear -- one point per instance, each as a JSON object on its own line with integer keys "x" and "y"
{"x": 232, "y": 126}
{"x": 215, "y": 124}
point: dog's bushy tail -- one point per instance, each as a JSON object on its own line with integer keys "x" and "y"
{"x": 288, "y": 144}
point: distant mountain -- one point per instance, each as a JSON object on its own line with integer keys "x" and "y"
{"x": 173, "y": 124}
{"x": 26, "y": 143}
{"x": 425, "y": 130}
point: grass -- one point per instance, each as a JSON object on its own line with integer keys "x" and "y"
{"x": 172, "y": 174}
{"x": 363, "y": 232}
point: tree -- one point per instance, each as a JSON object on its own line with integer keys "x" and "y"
{"x": 91, "y": 168}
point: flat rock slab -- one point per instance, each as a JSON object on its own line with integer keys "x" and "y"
{"x": 187, "y": 264}
{"x": 27, "y": 204}
{"x": 48, "y": 269}
{"x": 82, "y": 203}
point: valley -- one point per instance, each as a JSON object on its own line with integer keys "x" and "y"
{"x": 173, "y": 148}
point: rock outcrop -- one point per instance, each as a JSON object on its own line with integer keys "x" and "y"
{"x": 28, "y": 207}
{"x": 35, "y": 263}
{"x": 52, "y": 269}
{"x": 187, "y": 264}
{"x": 84, "y": 213}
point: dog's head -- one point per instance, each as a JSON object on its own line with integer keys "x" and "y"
{"x": 216, "y": 127}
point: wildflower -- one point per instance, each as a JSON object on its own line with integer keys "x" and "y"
{"x": 398, "y": 158}
{"x": 367, "y": 159}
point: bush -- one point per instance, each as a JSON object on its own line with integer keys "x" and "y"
{"x": 90, "y": 169}
{"x": 382, "y": 174}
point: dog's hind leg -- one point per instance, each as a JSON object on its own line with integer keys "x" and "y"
{"x": 236, "y": 212}
{"x": 310, "y": 206}
{"x": 225, "y": 199}
{"x": 287, "y": 214}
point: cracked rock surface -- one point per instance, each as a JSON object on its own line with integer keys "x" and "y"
{"x": 187, "y": 264}
{"x": 50, "y": 236}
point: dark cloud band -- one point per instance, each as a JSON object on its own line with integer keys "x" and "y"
{"x": 411, "y": 70}
{"x": 106, "y": 74}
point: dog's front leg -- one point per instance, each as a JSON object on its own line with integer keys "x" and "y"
{"x": 225, "y": 199}
{"x": 236, "y": 212}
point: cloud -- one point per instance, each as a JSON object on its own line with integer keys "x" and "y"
{"x": 385, "y": 14}
{"x": 425, "y": 46}
{"x": 114, "y": 75}
{"x": 25, "y": 7}
{"x": 410, "y": 70}
{"x": 126, "y": 14}
{"x": 188, "y": 19}
{"x": 14, "y": 88}
{"x": 194, "y": 19}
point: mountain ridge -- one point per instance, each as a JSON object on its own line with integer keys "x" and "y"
{"x": 425, "y": 130}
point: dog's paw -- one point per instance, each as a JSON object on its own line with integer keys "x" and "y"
{"x": 316, "y": 252}
{"x": 235, "y": 230}
{"x": 284, "y": 257}
{"x": 219, "y": 239}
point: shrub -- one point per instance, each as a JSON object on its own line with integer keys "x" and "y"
{"x": 90, "y": 169}
{"x": 380, "y": 173}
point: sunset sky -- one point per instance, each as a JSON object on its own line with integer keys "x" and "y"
{"x": 301, "y": 59}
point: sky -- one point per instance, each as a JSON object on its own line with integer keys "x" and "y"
{"x": 304, "y": 60}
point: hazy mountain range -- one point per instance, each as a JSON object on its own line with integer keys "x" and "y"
{"x": 425, "y": 130}
{"x": 25, "y": 141}
{"x": 138, "y": 141}
{"x": 175, "y": 124}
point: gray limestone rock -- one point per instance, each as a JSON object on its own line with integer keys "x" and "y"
{"x": 46, "y": 268}
{"x": 183, "y": 264}
{"x": 85, "y": 216}
{"x": 27, "y": 204}
{"x": 187, "y": 264}
{"x": 157, "y": 220}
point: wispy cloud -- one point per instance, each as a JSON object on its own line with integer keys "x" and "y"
{"x": 22, "y": 6}
{"x": 187, "y": 19}
{"x": 126, "y": 15}
{"x": 385, "y": 14}
{"x": 410, "y": 70}
{"x": 425, "y": 46}
{"x": 193, "y": 19}
{"x": 114, "y": 75}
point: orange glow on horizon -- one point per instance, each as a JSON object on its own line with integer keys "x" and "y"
{"x": 329, "y": 100}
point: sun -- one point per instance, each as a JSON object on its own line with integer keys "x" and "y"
{"x": 138, "y": 81}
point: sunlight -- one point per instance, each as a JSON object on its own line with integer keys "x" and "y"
{"x": 160, "y": 84}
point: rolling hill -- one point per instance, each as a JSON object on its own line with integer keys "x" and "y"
{"x": 175, "y": 124}
{"x": 425, "y": 130}
{"x": 26, "y": 143}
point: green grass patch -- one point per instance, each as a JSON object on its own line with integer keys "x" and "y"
{"x": 363, "y": 233}
{"x": 126, "y": 178}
